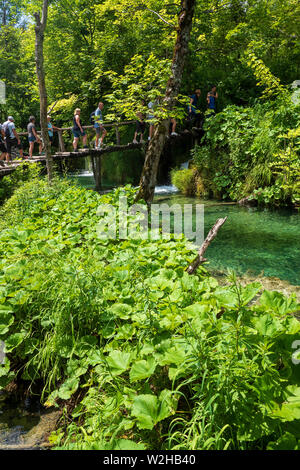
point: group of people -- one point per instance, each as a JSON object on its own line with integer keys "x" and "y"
{"x": 194, "y": 114}
{"x": 9, "y": 137}
{"x": 193, "y": 108}
{"x": 78, "y": 131}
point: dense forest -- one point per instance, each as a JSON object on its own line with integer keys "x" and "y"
{"x": 133, "y": 342}
{"x": 120, "y": 52}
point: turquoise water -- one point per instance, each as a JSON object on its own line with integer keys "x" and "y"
{"x": 252, "y": 240}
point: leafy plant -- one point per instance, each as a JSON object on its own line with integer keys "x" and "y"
{"x": 144, "y": 355}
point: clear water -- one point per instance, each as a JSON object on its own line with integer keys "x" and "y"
{"x": 16, "y": 419}
{"x": 252, "y": 240}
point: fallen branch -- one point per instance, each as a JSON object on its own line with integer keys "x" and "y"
{"x": 200, "y": 257}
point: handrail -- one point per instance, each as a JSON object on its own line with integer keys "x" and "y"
{"x": 104, "y": 124}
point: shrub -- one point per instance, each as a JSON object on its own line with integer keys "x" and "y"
{"x": 184, "y": 180}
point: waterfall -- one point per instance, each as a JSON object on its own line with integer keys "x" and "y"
{"x": 185, "y": 165}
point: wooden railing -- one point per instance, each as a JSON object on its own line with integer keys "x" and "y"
{"x": 105, "y": 125}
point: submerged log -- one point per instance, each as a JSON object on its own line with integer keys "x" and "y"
{"x": 200, "y": 257}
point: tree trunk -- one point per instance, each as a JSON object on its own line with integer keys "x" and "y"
{"x": 156, "y": 145}
{"x": 40, "y": 25}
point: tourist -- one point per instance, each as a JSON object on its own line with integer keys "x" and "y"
{"x": 12, "y": 138}
{"x": 140, "y": 126}
{"x": 51, "y": 129}
{"x": 194, "y": 113}
{"x": 173, "y": 125}
{"x": 2, "y": 146}
{"x": 78, "y": 131}
{"x": 151, "y": 118}
{"x": 98, "y": 125}
{"x": 212, "y": 96}
{"x": 33, "y": 137}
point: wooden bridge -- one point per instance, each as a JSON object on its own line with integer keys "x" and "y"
{"x": 95, "y": 154}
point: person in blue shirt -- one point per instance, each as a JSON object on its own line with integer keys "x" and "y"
{"x": 98, "y": 126}
{"x": 212, "y": 96}
{"x": 51, "y": 129}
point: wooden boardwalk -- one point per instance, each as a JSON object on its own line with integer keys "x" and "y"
{"x": 58, "y": 156}
{"x": 94, "y": 154}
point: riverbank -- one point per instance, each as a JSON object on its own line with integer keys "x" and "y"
{"x": 248, "y": 153}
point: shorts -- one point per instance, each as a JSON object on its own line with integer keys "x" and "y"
{"x": 12, "y": 143}
{"x": 140, "y": 127}
{"x": 32, "y": 139}
{"x": 2, "y": 147}
{"x": 98, "y": 129}
{"x": 51, "y": 138}
{"x": 78, "y": 133}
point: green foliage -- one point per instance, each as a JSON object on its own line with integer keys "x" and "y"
{"x": 86, "y": 40}
{"x": 184, "y": 180}
{"x": 155, "y": 358}
{"x": 24, "y": 172}
{"x": 271, "y": 84}
{"x": 252, "y": 151}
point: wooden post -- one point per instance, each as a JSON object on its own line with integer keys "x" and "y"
{"x": 61, "y": 142}
{"x": 97, "y": 167}
{"x": 118, "y": 135}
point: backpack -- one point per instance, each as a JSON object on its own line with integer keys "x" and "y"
{"x": 6, "y": 131}
{"x": 92, "y": 117}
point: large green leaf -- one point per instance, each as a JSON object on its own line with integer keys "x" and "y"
{"x": 127, "y": 444}
{"x": 118, "y": 362}
{"x": 6, "y": 320}
{"x": 121, "y": 310}
{"x": 67, "y": 389}
{"x": 278, "y": 302}
{"x": 267, "y": 325}
{"x": 149, "y": 410}
{"x": 289, "y": 410}
{"x": 142, "y": 369}
{"x": 13, "y": 341}
{"x": 286, "y": 442}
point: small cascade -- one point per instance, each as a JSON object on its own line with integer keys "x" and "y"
{"x": 166, "y": 189}
{"x": 185, "y": 165}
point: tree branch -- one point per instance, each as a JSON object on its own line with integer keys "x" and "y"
{"x": 161, "y": 18}
{"x": 200, "y": 257}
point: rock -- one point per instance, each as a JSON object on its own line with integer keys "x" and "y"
{"x": 247, "y": 202}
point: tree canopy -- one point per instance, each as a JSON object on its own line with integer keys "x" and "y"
{"x": 115, "y": 50}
